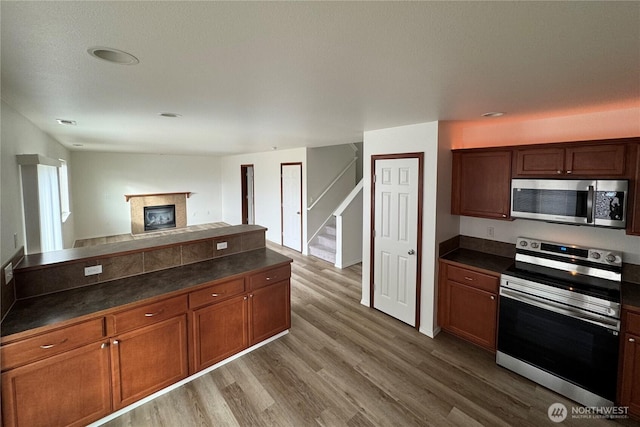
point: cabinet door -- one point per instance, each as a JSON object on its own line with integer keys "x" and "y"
{"x": 630, "y": 390}
{"x": 596, "y": 160}
{"x": 148, "y": 359}
{"x": 269, "y": 311}
{"x": 473, "y": 314}
{"x": 633, "y": 221}
{"x": 539, "y": 162}
{"x": 482, "y": 184}
{"x": 219, "y": 331}
{"x": 70, "y": 389}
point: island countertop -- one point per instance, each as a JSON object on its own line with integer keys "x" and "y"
{"x": 61, "y": 307}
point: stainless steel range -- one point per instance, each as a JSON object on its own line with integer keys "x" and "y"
{"x": 559, "y": 319}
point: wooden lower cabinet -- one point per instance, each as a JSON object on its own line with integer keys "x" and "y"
{"x": 630, "y": 369}
{"x": 219, "y": 331}
{"x": 468, "y": 304}
{"x": 70, "y": 389}
{"x": 269, "y": 311}
{"x": 148, "y": 359}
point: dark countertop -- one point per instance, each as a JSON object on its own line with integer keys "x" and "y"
{"x": 495, "y": 263}
{"x": 478, "y": 259}
{"x": 119, "y": 248}
{"x": 46, "y": 310}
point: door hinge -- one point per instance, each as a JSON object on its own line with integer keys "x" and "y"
{"x": 373, "y": 232}
{"x": 374, "y": 178}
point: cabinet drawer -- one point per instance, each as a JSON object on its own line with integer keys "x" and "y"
{"x": 473, "y": 278}
{"x": 632, "y": 323}
{"x": 216, "y": 293}
{"x": 268, "y": 277}
{"x": 149, "y": 314}
{"x": 50, "y": 343}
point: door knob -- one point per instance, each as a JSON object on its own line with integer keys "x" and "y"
{"x": 411, "y": 252}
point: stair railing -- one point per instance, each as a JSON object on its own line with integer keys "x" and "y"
{"x": 337, "y": 178}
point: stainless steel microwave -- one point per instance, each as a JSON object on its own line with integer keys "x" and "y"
{"x": 600, "y": 203}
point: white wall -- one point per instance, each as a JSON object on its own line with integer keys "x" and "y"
{"x": 101, "y": 180}
{"x": 20, "y": 136}
{"x": 266, "y": 167}
{"x": 407, "y": 139}
{"x": 324, "y": 164}
{"x": 508, "y": 231}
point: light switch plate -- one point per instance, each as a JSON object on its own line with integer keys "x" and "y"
{"x": 221, "y": 245}
{"x": 94, "y": 269}
{"x": 8, "y": 273}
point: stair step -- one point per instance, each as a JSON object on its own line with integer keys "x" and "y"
{"x": 327, "y": 240}
{"x": 330, "y": 230}
{"x": 323, "y": 252}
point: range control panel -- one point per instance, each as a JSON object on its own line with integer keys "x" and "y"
{"x": 600, "y": 256}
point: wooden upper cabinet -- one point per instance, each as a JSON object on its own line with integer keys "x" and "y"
{"x": 539, "y": 162}
{"x": 633, "y": 207}
{"x": 593, "y": 160}
{"x": 481, "y": 183}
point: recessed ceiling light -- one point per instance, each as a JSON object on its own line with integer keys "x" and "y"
{"x": 274, "y": 148}
{"x": 172, "y": 115}
{"x": 66, "y": 122}
{"x": 493, "y": 114}
{"x": 113, "y": 55}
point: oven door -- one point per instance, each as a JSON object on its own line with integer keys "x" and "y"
{"x": 555, "y": 340}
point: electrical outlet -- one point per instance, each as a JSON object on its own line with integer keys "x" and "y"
{"x": 490, "y": 232}
{"x": 94, "y": 269}
{"x": 221, "y": 245}
{"x": 8, "y": 273}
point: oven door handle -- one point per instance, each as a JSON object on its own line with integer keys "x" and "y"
{"x": 590, "y": 203}
{"x": 563, "y": 309}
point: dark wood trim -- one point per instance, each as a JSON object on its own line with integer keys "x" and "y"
{"x": 420, "y": 157}
{"x": 281, "y": 203}
{"x": 129, "y": 196}
{"x": 245, "y": 192}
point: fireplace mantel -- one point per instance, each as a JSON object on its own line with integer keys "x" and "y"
{"x": 129, "y": 196}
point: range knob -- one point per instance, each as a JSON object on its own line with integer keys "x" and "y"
{"x": 535, "y": 245}
{"x": 610, "y": 258}
{"x": 595, "y": 255}
{"x": 523, "y": 243}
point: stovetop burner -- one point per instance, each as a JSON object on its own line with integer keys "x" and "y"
{"x": 592, "y": 286}
{"x": 592, "y": 272}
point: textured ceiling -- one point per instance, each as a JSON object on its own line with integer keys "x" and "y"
{"x": 246, "y": 76}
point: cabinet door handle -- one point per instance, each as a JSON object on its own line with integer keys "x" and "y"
{"x": 468, "y": 278}
{"x": 493, "y": 297}
{"x": 632, "y": 340}
{"x": 504, "y": 215}
{"x": 569, "y": 171}
{"x": 47, "y": 346}
{"x": 104, "y": 345}
{"x": 116, "y": 342}
{"x": 217, "y": 295}
{"x": 559, "y": 172}
{"x": 271, "y": 278}
{"x": 154, "y": 314}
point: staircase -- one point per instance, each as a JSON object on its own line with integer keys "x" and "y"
{"x": 323, "y": 245}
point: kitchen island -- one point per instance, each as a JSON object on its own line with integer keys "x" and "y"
{"x": 75, "y": 356}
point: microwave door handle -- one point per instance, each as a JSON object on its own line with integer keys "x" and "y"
{"x": 590, "y": 201}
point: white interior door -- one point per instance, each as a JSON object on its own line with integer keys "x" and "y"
{"x": 291, "y": 205}
{"x": 250, "y": 207}
{"x": 396, "y": 237}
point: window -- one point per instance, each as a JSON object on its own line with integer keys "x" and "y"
{"x": 63, "y": 181}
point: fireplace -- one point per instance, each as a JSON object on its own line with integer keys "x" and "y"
{"x": 159, "y": 217}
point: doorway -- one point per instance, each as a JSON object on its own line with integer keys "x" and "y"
{"x": 248, "y": 209}
{"x": 396, "y": 235}
{"x": 291, "y": 205}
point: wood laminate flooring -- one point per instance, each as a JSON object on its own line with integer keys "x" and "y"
{"x": 344, "y": 364}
